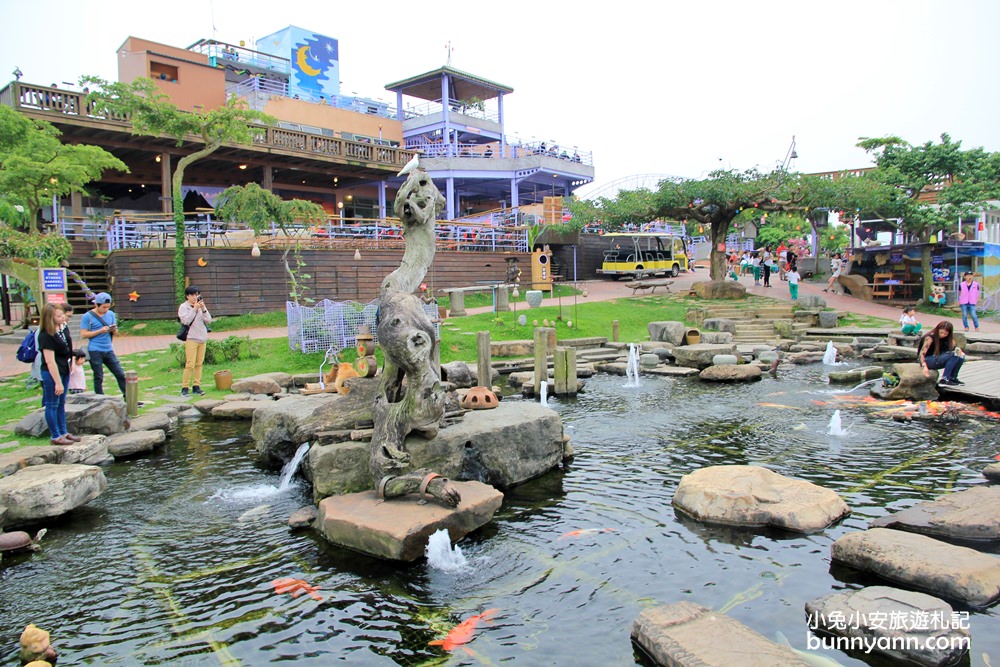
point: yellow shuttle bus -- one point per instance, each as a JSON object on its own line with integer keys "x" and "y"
{"x": 643, "y": 254}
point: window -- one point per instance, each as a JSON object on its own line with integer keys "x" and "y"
{"x": 162, "y": 72}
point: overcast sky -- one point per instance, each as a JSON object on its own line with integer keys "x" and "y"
{"x": 672, "y": 87}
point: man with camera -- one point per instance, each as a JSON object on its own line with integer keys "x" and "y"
{"x": 195, "y": 315}
{"x": 98, "y": 326}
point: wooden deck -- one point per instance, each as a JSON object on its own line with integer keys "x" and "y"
{"x": 982, "y": 383}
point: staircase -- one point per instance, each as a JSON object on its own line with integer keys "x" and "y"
{"x": 756, "y": 325}
{"x": 94, "y": 272}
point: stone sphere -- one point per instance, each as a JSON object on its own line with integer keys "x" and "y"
{"x": 569, "y": 324}
{"x": 522, "y": 320}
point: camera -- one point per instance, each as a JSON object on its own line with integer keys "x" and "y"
{"x": 199, "y": 297}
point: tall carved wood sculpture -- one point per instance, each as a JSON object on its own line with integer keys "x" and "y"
{"x": 410, "y": 397}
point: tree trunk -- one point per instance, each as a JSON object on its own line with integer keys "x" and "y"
{"x": 719, "y": 232}
{"x": 925, "y": 270}
{"x": 176, "y": 186}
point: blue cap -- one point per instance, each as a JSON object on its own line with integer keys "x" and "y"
{"x": 102, "y": 297}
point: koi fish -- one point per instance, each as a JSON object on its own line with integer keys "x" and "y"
{"x": 585, "y": 531}
{"x": 779, "y": 406}
{"x": 997, "y": 457}
{"x": 296, "y": 587}
{"x": 462, "y": 633}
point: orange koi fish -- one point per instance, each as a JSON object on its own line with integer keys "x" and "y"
{"x": 462, "y": 633}
{"x": 585, "y": 531}
{"x": 296, "y": 587}
{"x": 779, "y": 406}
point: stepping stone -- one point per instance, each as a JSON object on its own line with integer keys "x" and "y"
{"x": 918, "y": 561}
{"x": 399, "y": 528}
{"x": 755, "y": 496}
{"x": 992, "y": 472}
{"x": 731, "y": 373}
{"x": 686, "y": 634}
{"x": 973, "y": 514}
{"x": 49, "y": 490}
{"x": 121, "y": 445}
{"x": 903, "y": 625}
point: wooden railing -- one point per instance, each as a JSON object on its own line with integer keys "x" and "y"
{"x": 58, "y": 102}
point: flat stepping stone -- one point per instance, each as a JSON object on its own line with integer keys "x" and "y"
{"x": 49, "y": 490}
{"x": 921, "y": 562}
{"x": 903, "y": 625}
{"x": 11, "y": 462}
{"x": 134, "y": 442}
{"x": 731, "y": 373}
{"x": 236, "y": 409}
{"x": 686, "y": 634}
{"x": 671, "y": 371}
{"x": 754, "y": 496}
{"x": 399, "y": 528}
{"x": 973, "y": 514}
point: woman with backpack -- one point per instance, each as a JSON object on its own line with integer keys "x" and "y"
{"x": 55, "y": 345}
{"x": 937, "y": 349}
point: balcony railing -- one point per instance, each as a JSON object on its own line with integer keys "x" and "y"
{"x": 152, "y": 230}
{"x": 25, "y": 97}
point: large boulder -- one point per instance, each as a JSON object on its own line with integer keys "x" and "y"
{"x": 85, "y": 413}
{"x": 502, "y": 447}
{"x": 864, "y": 614}
{"x": 992, "y": 472}
{"x": 730, "y": 373}
{"x": 913, "y": 385}
{"x": 738, "y": 495}
{"x": 716, "y": 337}
{"x": 92, "y": 450}
{"x": 970, "y": 515}
{"x": 49, "y": 490}
{"x": 670, "y": 332}
{"x": 400, "y": 528}
{"x": 921, "y": 562}
{"x": 719, "y": 289}
{"x": 855, "y": 375}
{"x": 811, "y": 301}
{"x": 685, "y": 634}
{"x": 700, "y": 356}
{"x": 856, "y": 285}
{"x": 279, "y": 427}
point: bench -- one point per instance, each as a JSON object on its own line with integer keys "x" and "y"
{"x": 651, "y": 285}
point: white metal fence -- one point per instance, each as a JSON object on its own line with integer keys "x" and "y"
{"x": 335, "y": 324}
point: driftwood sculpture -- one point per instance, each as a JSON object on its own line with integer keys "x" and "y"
{"x": 410, "y": 397}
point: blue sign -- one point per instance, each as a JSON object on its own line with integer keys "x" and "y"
{"x": 53, "y": 280}
{"x": 896, "y": 257}
{"x": 936, "y": 259}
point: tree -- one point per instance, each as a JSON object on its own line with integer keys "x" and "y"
{"x": 260, "y": 209}
{"x": 964, "y": 180}
{"x": 152, "y": 113}
{"x": 35, "y": 166}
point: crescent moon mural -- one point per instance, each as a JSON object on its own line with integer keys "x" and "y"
{"x": 301, "y": 59}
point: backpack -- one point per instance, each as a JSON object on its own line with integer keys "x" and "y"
{"x": 27, "y": 351}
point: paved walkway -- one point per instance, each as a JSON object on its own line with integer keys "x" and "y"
{"x": 597, "y": 290}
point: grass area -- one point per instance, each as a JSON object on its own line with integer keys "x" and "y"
{"x": 575, "y": 317}
{"x": 866, "y": 321}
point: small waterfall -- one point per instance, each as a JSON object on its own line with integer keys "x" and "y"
{"x": 835, "y": 427}
{"x": 632, "y": 367}
{"x": 545, "y": 393}
{"x": 442, "y": 556}
{"x": 288, "y": 471}
{"x": 830, "y": 356}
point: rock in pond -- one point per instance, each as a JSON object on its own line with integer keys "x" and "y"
{"x": 890, "y": 621}
{"x": 992, "y": 472}
{"x": 921, "y": 562}
{"x": 730, "y": 373}
{"x": 49, "y": 490}
{"x": 972, "y": 515}
{"x": 399, "y": 528}
{"x": 685, "y": 634}
{"x": 754, "y": 496}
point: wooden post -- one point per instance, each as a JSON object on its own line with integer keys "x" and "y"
{"x": 132, "y": 393}
{"x": 564, "y": 368}
{"x": 503, "y": 299}
{"x": 614, "y": 330}
{"x": 484, "y": 364}
{"x": 457, "y": 300}
{"x": 541, "y": 358}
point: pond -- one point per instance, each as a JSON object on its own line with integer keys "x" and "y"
{"x": 174, "y": 564}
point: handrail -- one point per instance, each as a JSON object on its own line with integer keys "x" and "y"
{"x": 73, "y": 103}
